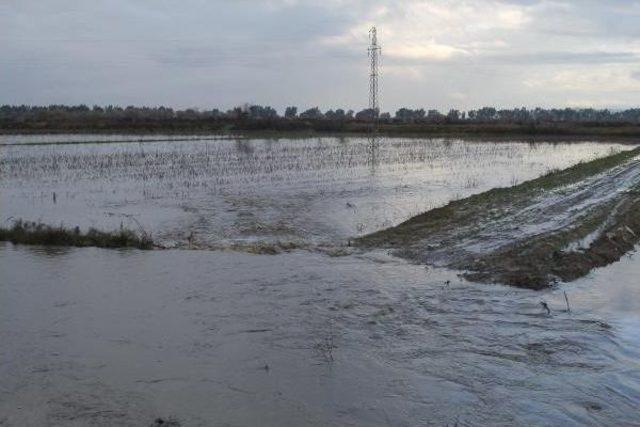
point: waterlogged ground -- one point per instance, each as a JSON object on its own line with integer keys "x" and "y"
{"x": 218, "y": 337}
{"x": 218, "y": 193}
{"x": 556, "y": 227}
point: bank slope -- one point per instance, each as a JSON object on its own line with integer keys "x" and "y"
{"x": 556, "y": 227}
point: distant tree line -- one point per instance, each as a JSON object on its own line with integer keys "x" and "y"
{"x": 257, "y": 117}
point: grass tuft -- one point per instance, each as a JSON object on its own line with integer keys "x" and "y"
{"x": 32, "y": 233}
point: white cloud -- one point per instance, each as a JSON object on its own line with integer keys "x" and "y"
{"x": 596, "y": 79}
{"x": 222, "y": 52}
{"x": 429, "y": 51}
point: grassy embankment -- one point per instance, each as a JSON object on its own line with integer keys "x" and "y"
{"x": 31, "y": 233}
{"x": 538, "y": 261}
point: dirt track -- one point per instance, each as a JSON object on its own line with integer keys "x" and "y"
{"x": 557, "y": 227}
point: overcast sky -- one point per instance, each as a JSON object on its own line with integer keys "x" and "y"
{"x": 222, "y": 53}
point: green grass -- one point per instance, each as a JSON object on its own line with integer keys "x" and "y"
{"x": 489, "y": 204}
{"x": 32, "y": 233}
{"x": 536, "y": 261}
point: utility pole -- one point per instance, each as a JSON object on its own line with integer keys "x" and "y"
{"x": 374, "y": 56}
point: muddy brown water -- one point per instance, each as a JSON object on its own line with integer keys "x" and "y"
{"x": 121, "y": 337}
{"x": 104, "y": 337}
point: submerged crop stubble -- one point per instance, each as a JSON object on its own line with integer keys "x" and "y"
{"x": 243, "y": 193}
{"x": 125, "y": 337}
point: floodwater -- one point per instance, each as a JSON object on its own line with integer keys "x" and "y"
{"x": 220, "y": 192}
{"x": 218, "y": 337}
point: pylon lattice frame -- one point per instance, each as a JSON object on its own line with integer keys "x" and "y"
{"x": 374, "y": 58}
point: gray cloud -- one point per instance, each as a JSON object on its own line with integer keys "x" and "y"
{"x": 441, "y": 53}
{"x": 567, "y": 57}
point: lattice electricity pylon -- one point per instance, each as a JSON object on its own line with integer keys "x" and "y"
{"x": 374, "y": 57}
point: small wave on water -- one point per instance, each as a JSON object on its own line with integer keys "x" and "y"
{"x": 326, "y": 328}
{"x": 298, "y": 337}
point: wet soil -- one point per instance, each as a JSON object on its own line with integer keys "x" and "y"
{"x": 557, "y": 227}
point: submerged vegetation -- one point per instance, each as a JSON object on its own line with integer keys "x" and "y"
{"x": 267, "y": 197}
{"x": 32, "y": 233}
{"x": 556, "y": 227}
{"x": 480, "y": 205}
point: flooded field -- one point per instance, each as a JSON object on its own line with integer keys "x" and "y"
{"x": 220, "y": 337}
{"x": 220, "y": 192}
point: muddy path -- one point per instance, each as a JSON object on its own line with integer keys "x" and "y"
{"x": 557, "y": 227}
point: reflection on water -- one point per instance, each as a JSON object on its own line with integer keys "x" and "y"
{"x": 311, "y": 191}
{"x": 244, "y": 147}
{"x": 121, "y": 337}
{"x": 48, "y": 251}
{"x": 220, "y": 337}
{"x": 372, "y": 153}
